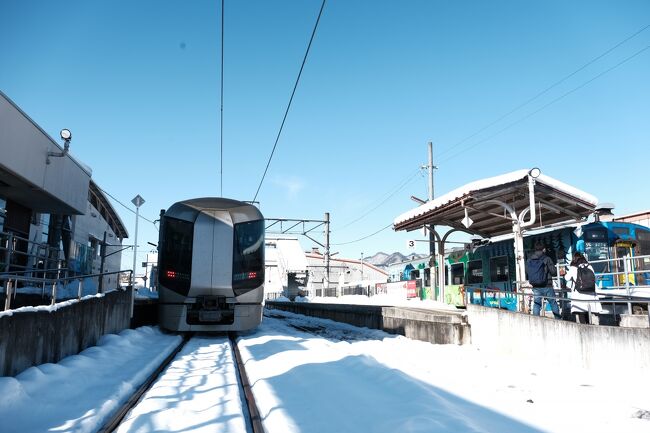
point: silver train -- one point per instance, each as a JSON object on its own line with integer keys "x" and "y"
{"x": 211, "y": 265}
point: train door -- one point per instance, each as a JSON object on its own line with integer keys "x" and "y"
{"x": 623, "y": 265}
{"x": 642, "y": 252}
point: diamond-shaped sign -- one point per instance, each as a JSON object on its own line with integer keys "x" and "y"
{"x": 137, "y": 201}
{"x": 467, "y": 221}
{"x": 578, "y": 232}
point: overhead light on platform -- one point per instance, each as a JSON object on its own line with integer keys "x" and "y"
{"x": 534, "y": 172}
{"x": 66, "y": 135}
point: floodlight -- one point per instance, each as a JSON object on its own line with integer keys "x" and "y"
{"x": 66, "y": 134}
{"x": 534, "y": 172}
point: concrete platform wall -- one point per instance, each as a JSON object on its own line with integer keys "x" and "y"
{"x": 38, "y": 337}
{"x": 537, "y": 340}
{"x": 434, "y": 327}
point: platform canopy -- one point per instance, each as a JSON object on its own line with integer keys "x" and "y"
{"x": 491, "y": 203}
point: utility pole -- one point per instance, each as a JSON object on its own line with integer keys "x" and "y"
{"x": 362, "y": 267}
{"x": 137, "y": 201}
{"x": 432, "y": 238}
{"x": 326, "y": 282}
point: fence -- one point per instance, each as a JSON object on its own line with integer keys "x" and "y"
{"x": 50, "y": 286}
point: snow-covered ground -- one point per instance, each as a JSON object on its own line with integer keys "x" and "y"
{"x": 314, "y": 375}
{"x": 81, "y": 391}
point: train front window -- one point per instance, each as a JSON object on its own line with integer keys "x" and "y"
{"x": 597, "y": 249}
{"x": 248, "y": 255}
{"x": 176, "y": 254}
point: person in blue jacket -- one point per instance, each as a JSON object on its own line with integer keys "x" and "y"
{"x": 540, "y": 270}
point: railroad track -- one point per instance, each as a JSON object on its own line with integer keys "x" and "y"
{"x": 254, "y": 419}
{"x": 117, "y": 418}
{"x": 253, "y": 411}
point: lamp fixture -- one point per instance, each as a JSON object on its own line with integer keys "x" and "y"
{"x": 66, "y": 136}
{"x": 534, "y": 172}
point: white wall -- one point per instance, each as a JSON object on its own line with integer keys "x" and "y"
{"x": 542, "y": 341}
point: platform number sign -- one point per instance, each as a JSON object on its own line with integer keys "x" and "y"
{"x": 410, "y": 244}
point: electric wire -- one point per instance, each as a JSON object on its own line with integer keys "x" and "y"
{"x": 365, "y": 237}
{"x": 402, "y": 185}
{"x": 627, "y": 59}
{"x": 295, "y": 86}
{"x": 557, "y": 83}
{"x": 124, "y": 206}
{"x": 221, "y": 122}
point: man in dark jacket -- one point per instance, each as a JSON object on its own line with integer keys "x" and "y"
{"x": 540, "y": 270}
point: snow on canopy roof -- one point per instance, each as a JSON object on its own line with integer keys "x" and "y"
{"x": 556, "y": 200}
{"x": 289, "y": 253}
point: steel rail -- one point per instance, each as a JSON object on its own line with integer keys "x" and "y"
{"x": 253, "y": 411}
{"x": 115, "y": 420}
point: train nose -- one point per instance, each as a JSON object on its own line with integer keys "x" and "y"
{"x": 210, "y": 310}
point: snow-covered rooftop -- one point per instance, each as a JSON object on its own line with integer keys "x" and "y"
{"x": 557, "y": 201}
{"x": 289, "y": 254}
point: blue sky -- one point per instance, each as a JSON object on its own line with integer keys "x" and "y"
{"x": 137, "y": 83}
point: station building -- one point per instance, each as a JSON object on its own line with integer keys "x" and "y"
{"x": 52, "y": 214}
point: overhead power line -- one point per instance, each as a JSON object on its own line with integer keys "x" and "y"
{"x": 123, "y": 205}
{"x": 557, "y": 83}
{"x": 627, "y": 59}
{"x": 365, "y": 237}
{"x": 400, "y": 187}
{"x": 295, "y": 86}
{"x": 221, "y": 123}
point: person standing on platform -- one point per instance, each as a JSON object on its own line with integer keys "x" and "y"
{"x": 541, "y": 269}
{"x": 581, "y": 279}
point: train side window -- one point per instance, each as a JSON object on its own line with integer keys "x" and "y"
{"x": 643, "y": 242}
{"x": 248, "y": 256}
{"x": 475, "y": 272}
{"x": 499, "y": 269}
{"x": 176, "y": 254}
{"x": 621, "y": 231}
{"x": 457, "y": 271}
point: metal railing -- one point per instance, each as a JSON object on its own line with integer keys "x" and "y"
{"x": 19, "y": 254}
{"x": 10, "y": 281}
{"x": 521, "y": 300}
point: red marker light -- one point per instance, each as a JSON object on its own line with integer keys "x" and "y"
{"x": 171, "y": 274}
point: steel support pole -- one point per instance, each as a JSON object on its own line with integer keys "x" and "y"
{"x": 101, "y": 265}
{"x": 432, "y": 238}
{"x": 135, "y": 244}
{"x": 520, "y": 263}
